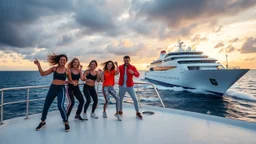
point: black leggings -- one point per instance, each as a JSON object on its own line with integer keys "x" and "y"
{"x": 74, "y": 91}
{"x": 59, "y": 91}
{"x": 90, "y": 91}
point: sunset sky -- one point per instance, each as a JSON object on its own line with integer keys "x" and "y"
{"x": 109, "y": 29}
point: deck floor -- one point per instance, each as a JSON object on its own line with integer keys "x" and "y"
{"x": 166, "y": 126}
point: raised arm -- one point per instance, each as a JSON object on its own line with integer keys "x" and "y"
{"x": 83, "y": 78}
{"x": 81, "y": 74}
{"x": 117, "y": 68}
{"x": 136, "y": 73}
{"x": 43, "y": 73}
{"x": 102, "y": 77}
{"x": 99, "y": 73}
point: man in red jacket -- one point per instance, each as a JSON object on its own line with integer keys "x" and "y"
{"x": 127, "y": 71}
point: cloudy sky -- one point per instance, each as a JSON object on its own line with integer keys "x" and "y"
{"x": 110, "y": 29}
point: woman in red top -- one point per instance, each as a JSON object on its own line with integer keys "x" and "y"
{"x": 108, "y": 78}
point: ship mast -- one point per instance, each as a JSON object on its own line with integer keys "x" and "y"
{"x": 226, "y": 58}
{"x": 180, "y": 45}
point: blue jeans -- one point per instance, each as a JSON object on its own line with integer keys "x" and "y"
{"x": 130, "y": 90}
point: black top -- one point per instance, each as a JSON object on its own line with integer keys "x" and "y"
{"x": 58, "y": 76}
{"x": 75, "y": 76}
{"x": 92, "y": 77}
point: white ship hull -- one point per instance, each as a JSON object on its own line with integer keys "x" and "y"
{"x": 216, "y": 81}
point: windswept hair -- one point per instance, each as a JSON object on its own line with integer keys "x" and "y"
{"x": 70, "y": 65}
{"x": 105, "y": 64}
{"x": 92, "y": 62}
{"x": 54, "y": 59}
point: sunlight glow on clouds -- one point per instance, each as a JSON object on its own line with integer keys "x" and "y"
{"x": 110, "y": 29}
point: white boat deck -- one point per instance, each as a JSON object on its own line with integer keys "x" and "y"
{"x": 165, "y": 126}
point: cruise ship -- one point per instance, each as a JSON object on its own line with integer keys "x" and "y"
{"x": 192, "y": 69}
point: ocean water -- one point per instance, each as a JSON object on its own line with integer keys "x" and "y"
{"x": 239, "y": 102}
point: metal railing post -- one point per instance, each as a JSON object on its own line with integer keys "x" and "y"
{"x": 138, "y": 95}
{"x": 2, "y": 108}
{"x": 158, "y": 95}
{"x": 27, "y": 106}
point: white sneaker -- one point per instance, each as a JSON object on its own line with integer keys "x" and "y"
{"x": 118, "y": 117}
{"x": 105, "y": 115}
{"x": 85, "y": 116}
{"x": 93, "y": 115}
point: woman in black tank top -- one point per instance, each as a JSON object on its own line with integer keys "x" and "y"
{"x": 75, "y": 74}
{"x": 90, "y": 76}
{"x": 57, "y": 87}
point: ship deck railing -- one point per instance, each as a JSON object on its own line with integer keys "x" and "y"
{"x": 28, "y": 100}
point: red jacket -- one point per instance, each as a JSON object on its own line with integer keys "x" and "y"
{"x": 129, "y": 81}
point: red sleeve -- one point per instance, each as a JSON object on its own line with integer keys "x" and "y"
{"x": 136, "y": 73}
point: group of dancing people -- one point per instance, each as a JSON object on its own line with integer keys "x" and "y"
{"x": 74, "y": 72}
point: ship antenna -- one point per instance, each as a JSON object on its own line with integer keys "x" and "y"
{"x": 226, "y": 58}
{"x": 180, "y": 45}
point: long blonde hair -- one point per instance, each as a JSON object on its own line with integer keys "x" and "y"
{"x": 70, "y": 65}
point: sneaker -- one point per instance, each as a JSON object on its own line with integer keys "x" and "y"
{"x": 40, "y": 126}
{"x": 139, "y": 115}
{"x": 85, "y": 116}
{"x": 118, "y": 117}
{"x": 93, "y": 115}
{"x": 67, "y": 127}
{"x": 120, "y": 112}
{"x": 105, "y": 115}
{"x": 78, "y": 117}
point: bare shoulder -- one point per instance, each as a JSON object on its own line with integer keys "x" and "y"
{"x": 54, "y": 68}
{"x": 67, "y": 70}
{"x": 86, "y": 71}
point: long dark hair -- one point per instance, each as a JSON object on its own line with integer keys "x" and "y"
{"x": 92, "y": 62}
{"x": 54, "y": 59}
{"x": 105, "y": 64}
{"x": 70, "y": 65}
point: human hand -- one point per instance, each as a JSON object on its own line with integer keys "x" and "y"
{"x": 75, "y": 83}
{"x": 36, "y": 62}
{"x": 131, "y": 71}
{"x": 99, "y": 71}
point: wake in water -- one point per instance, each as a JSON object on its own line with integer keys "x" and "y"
{"x": 230, "y": 93}
{"x": 240, "y": 95}
{"x": 177, "y": 89}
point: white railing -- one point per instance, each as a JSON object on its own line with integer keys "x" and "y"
{"x": 46, "y": 86}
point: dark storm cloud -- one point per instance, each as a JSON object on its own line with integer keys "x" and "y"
{"x": 18, "y": 16}
{"x": 249, "y": 46}
{"x": 66, "y": 39}
{"x": 93, "y": 18}
{"x": 174, "y": 12}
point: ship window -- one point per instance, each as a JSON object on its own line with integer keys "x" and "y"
{"x": 213, "y": 81}
{"x": 197, "y": 61}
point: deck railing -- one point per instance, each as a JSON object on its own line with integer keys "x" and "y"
{"x": 28, "y": 88}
